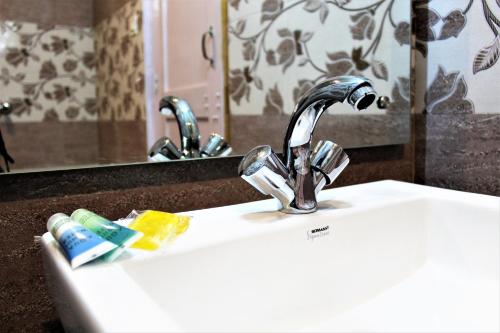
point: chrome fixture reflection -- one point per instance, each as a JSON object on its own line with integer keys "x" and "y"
{"x": 383, "y": 102}
{"x": 297, "y": 179}
{"x": 165, "y": 150}
{"x": 5, "y": 108}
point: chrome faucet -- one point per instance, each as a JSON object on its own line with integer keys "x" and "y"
{"x": 165, "y": 149}
{"x": 303, "y": 173}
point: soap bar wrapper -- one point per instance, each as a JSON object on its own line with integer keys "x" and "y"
{"x": 121, "y": 236}
{"x": 157, "y": 228}
{"x": 79, "y": 244}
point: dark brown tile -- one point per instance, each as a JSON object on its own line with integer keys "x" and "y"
{"x": 122, "y": 142}
{"x": 45, "y": 145}
{"x": 49, "y": 12}
{"x": 348, "y": 131}
{"x": 106, "y": 8}
{"x": 460, "y": 152}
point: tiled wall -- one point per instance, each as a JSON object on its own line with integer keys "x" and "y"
{"x": 457, "y": 94}
{"x": 47, "y": 73}
{"x": 120, "y": 84}
{"x": 120, "y": 64}
{"x": 279, "y": 49}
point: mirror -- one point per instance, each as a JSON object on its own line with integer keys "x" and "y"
{"x": 99, "y": 82}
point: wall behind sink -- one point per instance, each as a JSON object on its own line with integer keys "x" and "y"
{"x": 457, "y": 101}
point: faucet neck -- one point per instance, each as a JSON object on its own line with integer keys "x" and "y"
{"x": 297, "y": 143}
{"x": 187, "y": 123}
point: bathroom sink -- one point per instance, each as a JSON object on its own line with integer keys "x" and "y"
{"x": 384, "y": 256}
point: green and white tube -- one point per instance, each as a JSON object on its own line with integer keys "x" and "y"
{"x": 121, "y": 236}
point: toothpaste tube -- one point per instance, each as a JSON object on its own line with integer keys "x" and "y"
{"x": 121, "y": 236}
{"x": 79, "y": 244}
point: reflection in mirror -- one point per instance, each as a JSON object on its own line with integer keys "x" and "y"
{"x": 86, "y": 82}
{"x": 165, "y": 150}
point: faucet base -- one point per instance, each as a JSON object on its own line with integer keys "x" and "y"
{"x": 291, "y": 210}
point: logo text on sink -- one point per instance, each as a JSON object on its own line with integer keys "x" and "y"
{"x": 318, "y": 233}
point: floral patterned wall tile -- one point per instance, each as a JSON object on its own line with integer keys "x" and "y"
{"x": 285, "y": 47}
{"x": 120, "y": 64}
{"x": 458, "y": 47}
{"x": 47, "y": 73}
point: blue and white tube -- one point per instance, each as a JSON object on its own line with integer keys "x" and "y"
{"x": 79, "y": 244}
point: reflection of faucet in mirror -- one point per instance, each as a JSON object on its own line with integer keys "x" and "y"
{"x": 297, "y": 181}
{"x": 164, "y": 149}
{"x": 5, "y": 109}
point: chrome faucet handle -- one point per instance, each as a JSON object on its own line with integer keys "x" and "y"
{"x": 328, "y": 161}
{"x": 216, "y": 146}
{"x": 262, "y": 168}
{"x": 164, "y": 150}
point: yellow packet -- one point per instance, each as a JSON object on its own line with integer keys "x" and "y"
{"x": 158, "y": 227}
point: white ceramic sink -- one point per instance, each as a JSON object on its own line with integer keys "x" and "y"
{"x": 388, "y": 257}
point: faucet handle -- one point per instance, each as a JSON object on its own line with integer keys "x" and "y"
{"x": 262, "y": 168}
{"x": 216, "y": 146}
{"x": 164, "y": 150}
{"x": 328, "y": 160}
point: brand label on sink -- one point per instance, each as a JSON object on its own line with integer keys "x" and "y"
{"x": 318, "y": 233}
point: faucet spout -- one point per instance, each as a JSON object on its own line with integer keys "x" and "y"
{"x": 188, "y": 125}
{"x": 358, "y": 92}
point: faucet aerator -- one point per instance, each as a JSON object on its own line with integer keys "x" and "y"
{"x": 362, "y": 98}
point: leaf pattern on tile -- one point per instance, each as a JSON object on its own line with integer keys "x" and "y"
{"x": 51, "y": 116}
{"x": 400, "y": 102}
{"x": 402, "y": 33}
{"x": 320, "y": 6}
{"x": 303, "y": 87}
{"x": 249, "y": 50}
{"x": 277, "y": 42}
{"x": 238, "y": 85}
{"x": 271, "y": 9}
{"x": 363, "y": 26}
{"x": 425, "y": 18}
{"x": 274, "y": 102}
{"x": 380, "y": 70}
{"x": 41, "y": 71}
{"x": 286, "y": 49}
{"x": 236, "y": 3}
{"x": 447, "y": 94}
{"x": 487, "y": 57}
{"x": 16, "y": 56}
{"x": 454, "y": 23}
{"x": 119, "y": 61}
{"x": 340, "y": 63}
{"x": 48, "y": 71}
